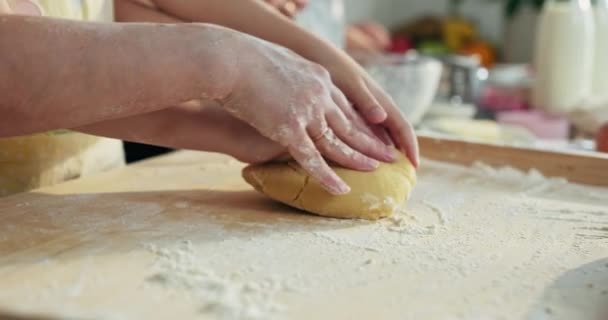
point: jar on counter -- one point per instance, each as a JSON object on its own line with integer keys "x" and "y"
{"x": 599, "y": 85}
{"x": 564, "y": 56}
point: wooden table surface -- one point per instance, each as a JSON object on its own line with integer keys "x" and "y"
{"x": 182, "y": 236}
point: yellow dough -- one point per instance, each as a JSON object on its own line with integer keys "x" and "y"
{"x": 374, "y": 195}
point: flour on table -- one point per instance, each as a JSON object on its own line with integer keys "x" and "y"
{"x": 343, "y": 242}
{"x": 403, "y": 223}
{"x": 531, "y": 182}
{"x": 247, "y": 264}
{"x": 225, "y": 297}
{"x": 441, "y": 214}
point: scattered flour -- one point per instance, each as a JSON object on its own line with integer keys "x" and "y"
{"x": 229, "y": 297}
{"x": 375, "y": 202}
{"x": 531, "y": 182}
{"x": 222, "y": 296}
{"x": 342, "y": 242}
{"x": 441, "y": 215}
{"x": 371, "y": 200}
{"x": 404, "y": 224}
{"x": 487, "y": 253}
{"x": 336, "y": 143}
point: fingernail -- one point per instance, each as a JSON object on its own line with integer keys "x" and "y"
{"x": 372, "y": 164}
{"x": 340, "y": 189}
{"x": 377, "y": 114}
{"x": 390, "y": 155}
{"x": 414, "y": 160}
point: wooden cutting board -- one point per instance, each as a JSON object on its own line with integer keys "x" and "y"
{"x": 182, "y": 236}
{"x": 577, "y": 166}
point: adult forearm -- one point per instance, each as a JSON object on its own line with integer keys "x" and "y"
{"x": 64, "y": 74}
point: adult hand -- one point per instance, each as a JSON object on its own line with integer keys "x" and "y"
{"x": 210, "y": 127}
{"x": 293, "y": 102}
{"x": 251, "y": 17}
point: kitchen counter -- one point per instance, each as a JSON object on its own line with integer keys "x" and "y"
{"x": 182, "y": 236}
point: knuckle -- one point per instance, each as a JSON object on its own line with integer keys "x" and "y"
{"x": 294, "y": 124}
{"x": 349, "y": 129}
{"x": 350, "y": 117}
{"x": 322, "y": 124}
{"x": 317, "y": 88}
{"x": 319, "y": 69}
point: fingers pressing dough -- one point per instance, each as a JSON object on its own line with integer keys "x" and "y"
{"x": 374, "y": 195}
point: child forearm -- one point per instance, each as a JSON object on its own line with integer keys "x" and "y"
{"x": 249, "y": 16}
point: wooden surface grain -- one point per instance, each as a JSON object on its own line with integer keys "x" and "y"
{"x": 582, "y": 167}
{"x": 468, "y": 245}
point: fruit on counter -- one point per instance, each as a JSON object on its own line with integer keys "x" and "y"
{"x": 458, "y": 32}
{"x": 428, "y": 28}
{"x": 433, "y": 48}
{"x": 400, "y": 44}
{"x": 482, "y": 50}
{"x": 602, "y": 139}
{"x": 436, "y": 36}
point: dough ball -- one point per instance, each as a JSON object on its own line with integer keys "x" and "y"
{"x": 374, "y": 195}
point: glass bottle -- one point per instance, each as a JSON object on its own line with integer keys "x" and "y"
{"x": 599, "y": 85}
{"x": 563, "y": 56}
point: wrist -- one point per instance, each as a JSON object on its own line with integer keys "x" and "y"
{"x": 216, "y": 53}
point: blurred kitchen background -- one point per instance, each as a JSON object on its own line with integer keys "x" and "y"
{"x": 486, "y": 15}
{"x": 531, "y": 73}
